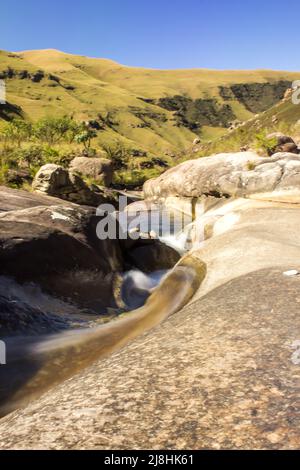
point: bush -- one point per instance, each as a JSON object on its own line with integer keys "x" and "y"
{"x": 85, "y": 137}
{"x": 118, "y": 154}
{"x": 262, "y": 142}
{"x": 54, "y": 130}
{"x": 35, "y": 156}
{"x": 16, "y": 131}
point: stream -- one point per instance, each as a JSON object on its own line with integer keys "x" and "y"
{"x": 66, "y": 339}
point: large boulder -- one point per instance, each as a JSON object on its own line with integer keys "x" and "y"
{"x": 227, "y": 175}
{"x": 282, "y": 143}
{"x": 18, "y": 177}
{"x": 99, "y": 169}
{"x": 12, "y": 199}
{"x": 56, "y": 246}
{"x": 54, "y": 180}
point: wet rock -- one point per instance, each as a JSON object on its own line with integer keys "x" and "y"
{"x": 232, "y": 353}
{"x": 150, "y": 255}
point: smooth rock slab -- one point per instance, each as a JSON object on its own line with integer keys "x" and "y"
{"x": 227, "y": 174}
{"x": 219, "y": 374}
{"x": 100, "y": 169}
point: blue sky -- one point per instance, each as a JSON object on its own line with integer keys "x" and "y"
{"x": 166, "y": 34}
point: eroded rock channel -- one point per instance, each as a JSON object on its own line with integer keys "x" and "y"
{"x": 221, "y": 367}
{"x": 57, "y": 275}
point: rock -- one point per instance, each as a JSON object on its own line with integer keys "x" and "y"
{"x": 57, "y": 247}
{"x": 288, "y": 94}
{"x": 226, "y": 175}
{"x": 196, "y": 141}
{"x": 52, "y": 179}
{"x": 100, "y": 169}
{"x": 288, "y": 147}
{"x": 284, "y": 143}
{"x": 12, "y": 199}
{"x": 251, "y": 235}
{"x": 281, "y": 138}
{"x": 26, "y": 310}
{"x": 18, "y": 177}
{"x": 229, "y": 353}
{"x": 55, "y": 180}
{"x": 151, "y": 255}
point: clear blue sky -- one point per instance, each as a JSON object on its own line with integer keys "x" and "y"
{"x": 227, "y": 34}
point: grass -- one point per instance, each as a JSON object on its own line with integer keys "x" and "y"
{"x": 253, "y": 133}
{"x": 90, "y": 86}
{"x": 126, "y": 100}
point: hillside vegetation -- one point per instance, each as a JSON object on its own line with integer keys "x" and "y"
{"x": 284, "y": 117}
{"x": 153, "y": 116}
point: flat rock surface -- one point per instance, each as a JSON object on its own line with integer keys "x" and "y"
{"x": 15, "y": 199}
{"x": 222, "y": 373}
{"x": 227, "y": 174}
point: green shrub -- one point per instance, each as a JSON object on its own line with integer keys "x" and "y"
{"x": 4, "y": 168}
{"x": 118, "y": 154}
{"x": 264, "y": 143}
{"x": 85, "y": 137}
{"x": 52, "y": 130}
{"x": 16, "y": 131}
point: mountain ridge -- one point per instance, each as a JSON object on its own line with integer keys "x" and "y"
{"x": 151, "y": 110}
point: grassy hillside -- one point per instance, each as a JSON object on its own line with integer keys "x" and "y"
{"x": 283, "y": 117}
{"x": 134, "y": 101}
{"x": 153, "y": 116}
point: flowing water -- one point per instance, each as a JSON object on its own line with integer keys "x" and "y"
{"x": 42, "y": 359}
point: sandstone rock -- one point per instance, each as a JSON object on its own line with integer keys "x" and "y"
{"x": 226, "y": 175}
{"x": 281, "y": 138}
{"x": 288, "y": 147}
{"x": 100, "y": 169}
{"x": 150, "y": 255}
{"x": 55, "y": 180}
{"x": 229, "y": 354}
{"x": 12, "y": 199}
{"x": 18, "y": 177}
{"x": 57, "y": 247}
{"x": 284, "y": 143}
{"x": 52, "y": 179}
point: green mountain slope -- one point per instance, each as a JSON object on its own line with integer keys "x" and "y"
{"x": 283, "y": 117}
{"x": 154, "y": 111}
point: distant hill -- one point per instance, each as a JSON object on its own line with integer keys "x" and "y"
{"x": 159, "y": 112}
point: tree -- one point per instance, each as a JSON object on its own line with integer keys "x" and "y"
{"x": 53, "y": 130}
{"x": 265, "y": 143}
{"x": 17, "y": 131}
{"x": 85, "y": 137}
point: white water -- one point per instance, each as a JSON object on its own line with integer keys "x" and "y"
{"x": 137, "y": 286}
